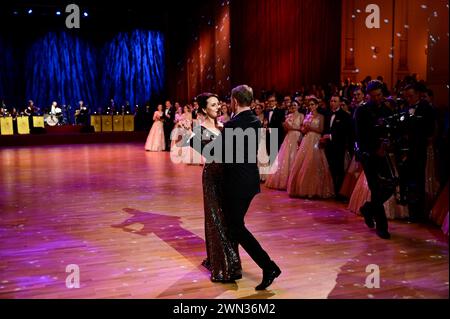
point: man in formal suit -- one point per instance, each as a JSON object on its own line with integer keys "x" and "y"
{"x": 275, "y": 117}
{"x": 241, "y": 179}
{"x": 358, "y": 99}
{"x": 337, "y": 141}
{"x": 169, "y": 122}
{"x": 420, "y": 130}
{"x": 371, "y": 152}
{"x": 194, "y": 109}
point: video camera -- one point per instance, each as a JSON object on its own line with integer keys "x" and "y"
{"x": 395, "y": 130}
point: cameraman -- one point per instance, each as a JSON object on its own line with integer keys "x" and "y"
{"x": 420, "y": 129}
{"x": 371, "y": 151}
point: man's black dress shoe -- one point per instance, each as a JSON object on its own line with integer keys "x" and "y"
{"x": 368, "y": 218}
{"x": 268, "y": 277}
{"x": 384, "y": 234}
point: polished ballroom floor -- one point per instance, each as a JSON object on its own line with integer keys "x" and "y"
{"x": 132, "y": 222}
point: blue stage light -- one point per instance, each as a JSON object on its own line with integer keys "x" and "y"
{"x": 30, "y": 11}
{"x": 58, "y": 13}
{"x": 85, "y": 14}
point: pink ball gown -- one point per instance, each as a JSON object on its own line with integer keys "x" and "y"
{"x": 155, "y": 140}
{"x": 279, "y": 176}
{"x": 310, "y": 176}
{"x": 361, "y": 194}
{"x": 440, "y": 209}
{"x": 445, "y": 225}
{"x": 351, "y": 177}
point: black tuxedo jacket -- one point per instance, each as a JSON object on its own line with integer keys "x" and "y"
{"x": 421, "y": 124}
{"x": 170, "y": 117}
{"x": 242, "y": 179}
{"x": 341, "y": 131}
{"x": 277, "y": 120}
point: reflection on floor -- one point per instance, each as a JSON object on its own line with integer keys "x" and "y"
{"x": 133, "y": 223}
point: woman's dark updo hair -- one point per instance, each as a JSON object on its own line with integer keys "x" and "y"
{"x": 202, "y": 101}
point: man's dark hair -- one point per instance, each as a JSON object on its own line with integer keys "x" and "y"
{"x": 411, "y": 87}
{"x": 374, "y": 85}
{"x": 421, "y": 87}
{"x": 336, "y": 95}
{"x": 358, "y": 88}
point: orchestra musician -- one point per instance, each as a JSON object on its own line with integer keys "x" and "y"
{"x": 31, "y": 109}
{"x": 3, "y": 109}
{"x": 56, "y": 115}
{"x": 82, "y": 114}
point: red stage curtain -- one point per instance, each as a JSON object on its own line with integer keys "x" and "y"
{"x": 204, "y": 65}
{"x": 285, "y": 44}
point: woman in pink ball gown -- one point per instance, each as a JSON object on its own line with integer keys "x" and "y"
{"x": 155, "y": 140}
{"x": 310, "y": 176}
{"x": 279, "y": 177}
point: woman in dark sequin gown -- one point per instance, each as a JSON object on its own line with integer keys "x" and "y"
{"x": 222, "y": 253}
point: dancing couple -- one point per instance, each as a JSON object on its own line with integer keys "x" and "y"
{"x": 229, "y": 187}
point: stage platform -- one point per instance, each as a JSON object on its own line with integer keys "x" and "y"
{"x": 132, "y": 221}
{"x": 70, "y": 134}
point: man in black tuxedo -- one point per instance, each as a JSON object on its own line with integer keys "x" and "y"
{"x": 337, "y": 140}
{"x": 275, "y": 117}
{"x": 169, "y": 122}
{"x": 371, "y": 152}
{"x": 194, "y": 109}
{"x": 241, "y": 182}
{"x": 420, "y": 130}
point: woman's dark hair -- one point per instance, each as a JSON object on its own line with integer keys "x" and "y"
{"x": 202, "y": 101}
{"x": 227, "y": 107}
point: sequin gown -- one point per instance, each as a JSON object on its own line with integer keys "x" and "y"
{"x": 223, "y": 258}
{"x": 310, "y": 176}
{"x": 279, "y": 174}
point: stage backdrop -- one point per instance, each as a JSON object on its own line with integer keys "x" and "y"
{"x": 7, "y": 71}
{"x": 271, "y": 44}
{"x": 285, "y": 44}
{"x": 66, "y": 67}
